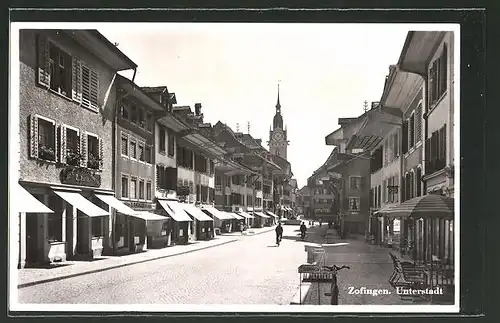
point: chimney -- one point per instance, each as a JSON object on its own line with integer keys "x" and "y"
{"x": 197, "y": 109}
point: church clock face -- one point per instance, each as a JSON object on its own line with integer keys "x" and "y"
{"x": 277, "y": 136}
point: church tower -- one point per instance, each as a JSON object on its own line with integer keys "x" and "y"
{"x": 278, "y": 142}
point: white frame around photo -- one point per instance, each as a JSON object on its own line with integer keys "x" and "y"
{"x": 14, "y": 169}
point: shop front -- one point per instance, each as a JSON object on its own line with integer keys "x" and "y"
{"x": 203, "y": 225}
{"x": 274, "y": 217}
{"x": 222, "y": 220}
{"x": 180, "y": 222}
{"x": 249, "y": 219}
{"x": 261, "y": 219}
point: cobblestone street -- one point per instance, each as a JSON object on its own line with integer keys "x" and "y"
{"x": 251, "y": 270}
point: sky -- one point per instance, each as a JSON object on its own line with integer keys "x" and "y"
{"x": 325, "y": 72}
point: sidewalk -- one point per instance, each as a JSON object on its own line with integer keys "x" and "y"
{"x": 33, "y": 276}
{"x": 370, "y": 269}
{"x": 249, "y": 232}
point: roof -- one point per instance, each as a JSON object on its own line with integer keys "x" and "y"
{"x": 136, "y": 91}
{"x": 154, "y": 89}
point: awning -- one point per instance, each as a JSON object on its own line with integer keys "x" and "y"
{"x": 236, "y": 216}
{"x": 272, "y": 214}
{"x": 195, "y": 212}
{"x": 82, "y": 204}
{"x": 249, "y": 209}
{"x": 218, "y": 214}
{"x": 430, "y": 205}
{"x": 174, "y": 210}
{"x": 149, "y": 216}
{"x": 246, "y": 215}
{"x": 262, "y": 215}
{"x": 384, "y": 210}
{"x": 116, "y": 204}
{"x": 29, "y": 203}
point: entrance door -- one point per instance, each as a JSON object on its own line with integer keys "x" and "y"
{"x": 31, "y": 237}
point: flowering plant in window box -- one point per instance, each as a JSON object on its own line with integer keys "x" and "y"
{"x": 46, "y": 153}
{"x": 94, "y": 161}
{"x": 73, "y": 157}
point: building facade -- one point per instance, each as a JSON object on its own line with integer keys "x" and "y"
{"x": 67, "y": 100}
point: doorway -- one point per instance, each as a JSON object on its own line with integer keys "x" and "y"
{"x": 31, "y": 238}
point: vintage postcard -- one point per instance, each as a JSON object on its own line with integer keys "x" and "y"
{"x": 211, "y": 167}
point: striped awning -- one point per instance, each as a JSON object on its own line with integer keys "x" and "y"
{"x": 216, "y": 213}
{"x": 246, "y": 215}
{"x": 272, "y": 214}
{"x": 430, "y": 205}
{"x": 236, "y": 216}
{"x": 384, "y": 210}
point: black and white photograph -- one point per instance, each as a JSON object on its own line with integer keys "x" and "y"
{"x": 234, "y": 167}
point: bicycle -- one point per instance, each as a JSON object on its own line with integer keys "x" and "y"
{"x": 334, "y": 288}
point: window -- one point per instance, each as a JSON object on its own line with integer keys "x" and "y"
{"x": 97, "y": 226}
{"x": 396, "y": 144}
{"x": 124, "y": 186}
{"x": 438, "y": 77}
{"x": 142, "y": 121}
{"x": 45, "y": 142}
{"x": 354, "y": 203}
{"x": 412, "y": 185}
{"x": 149, "y": 188}
{"x": 141, "y": 152}
{"x": 93, "y": 159}
{"x": 148, "y": 154}
{"x": 141, "y": 189}
{"x": 133, "y": 188}
{"x": 70, "y": 150}
{"x": 162, "y": 140}
{"x": 435, "y": 151}
{"x": 60, "y": 70}
{"x": 411, "y": 131}
{"x": 376, "y": 161}
{"x": 418, "y": 181}
{"x": 384, "y": 192}
{"x": 133, "y": 114}
{"x": 371, "y": 197}
{"x": 124, "y": 111}
{"x": 379, "y": 196}
{"x": 149, "y": 122}
{"x": 355, "y": 182}
{"x": 133, "y": 151}
{"x": 418, "y": 123}
{"x": 171, "y": 144}
{"x": 124, "y": 145}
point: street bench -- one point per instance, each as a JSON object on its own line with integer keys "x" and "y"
{"x": 314, "y": 273}
{"x": 407, "y": 275}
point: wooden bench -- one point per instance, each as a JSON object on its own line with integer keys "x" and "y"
{"x": 407, "y": 275}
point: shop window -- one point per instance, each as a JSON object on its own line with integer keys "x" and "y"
{"x": 97, "y": 226}
{"x": 55, "y": 219}
{"x": 93, "y": 149}
{"x": 141, "y": 189}
{"x": 354, "y": 204}
{"x": 149, "y": 189}
{"x": 141, "y": 152}
{"x": 121, "y": 230}
{"x": 133, "y": 149}
{"x": 162, "y": 140}
{"x": 124, "y": 145}
{"x": 124, "y": 186}
{"x": 133, "y": 188}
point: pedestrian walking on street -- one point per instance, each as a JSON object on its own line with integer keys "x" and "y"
{"x": 303, "y": 230}
{"x": 279, "y": 233}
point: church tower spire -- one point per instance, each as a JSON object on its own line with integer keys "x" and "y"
{"x": 278, "y": 119}
{"x": 278, "y": 105}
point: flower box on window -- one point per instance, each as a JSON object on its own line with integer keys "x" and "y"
{"x": 73, "y": 158}
{"x": 46, "y": 153}
{"x": 94, "y": 162}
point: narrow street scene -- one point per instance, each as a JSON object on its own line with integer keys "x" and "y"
{"x": 216, "y": 164}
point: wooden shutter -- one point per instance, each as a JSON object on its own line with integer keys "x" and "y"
{"x": 405, "y": 137}
{"x": 442, "y": 145}
{"x": 76, "y": 87}
{"x": 101, "y": 154}
{"x": 418, "y": 123}
{"x": 43, "y": 61}
{"x": 94, "y": 90}
{"x": 411, "y": 132}
{"x": 56, "y": 140}
{"x": 33, "y": 136}
{"x": 83, "y": 149}
{"x": 443, "y": 70}
{"x": 158, "y": 178}
{"x": 85, "y": 86}
{"x": 384, "y": 194}
{"x": 427, "y": 155}
{"x": 431, "y": 82}
{"x": 62, "y": 139}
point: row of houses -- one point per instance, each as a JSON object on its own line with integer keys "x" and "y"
{"x": 109, "y": 167}
{"x": 390, "y": 175}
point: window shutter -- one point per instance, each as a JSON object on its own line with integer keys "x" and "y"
{"x": 384, "y": 195}
{"x": 427, "y": 155}
{"x": 411, "y": 132}
{"x": 94, "y": 90}
{"x": 430, "y": 85}
{"x": 443, "y": 69}
{"x": 405, "y": 137}
{"x": 83, "y": 149}
{"x": 158, "y": 176}
{"x": 85, "y": 86}
{"x": 76, "y": 88}
{"x": 442, "y": 145}
{"x": 56, "y": 139}
{"x": 43, "y": 61}
{"x": 418, "y": 123}
{"x": 62, "y": 139}
{"x": 33, "y": 136}
{"x": 101, "y": 154}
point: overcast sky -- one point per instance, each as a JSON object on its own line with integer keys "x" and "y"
{"x": 326, "y": 72}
